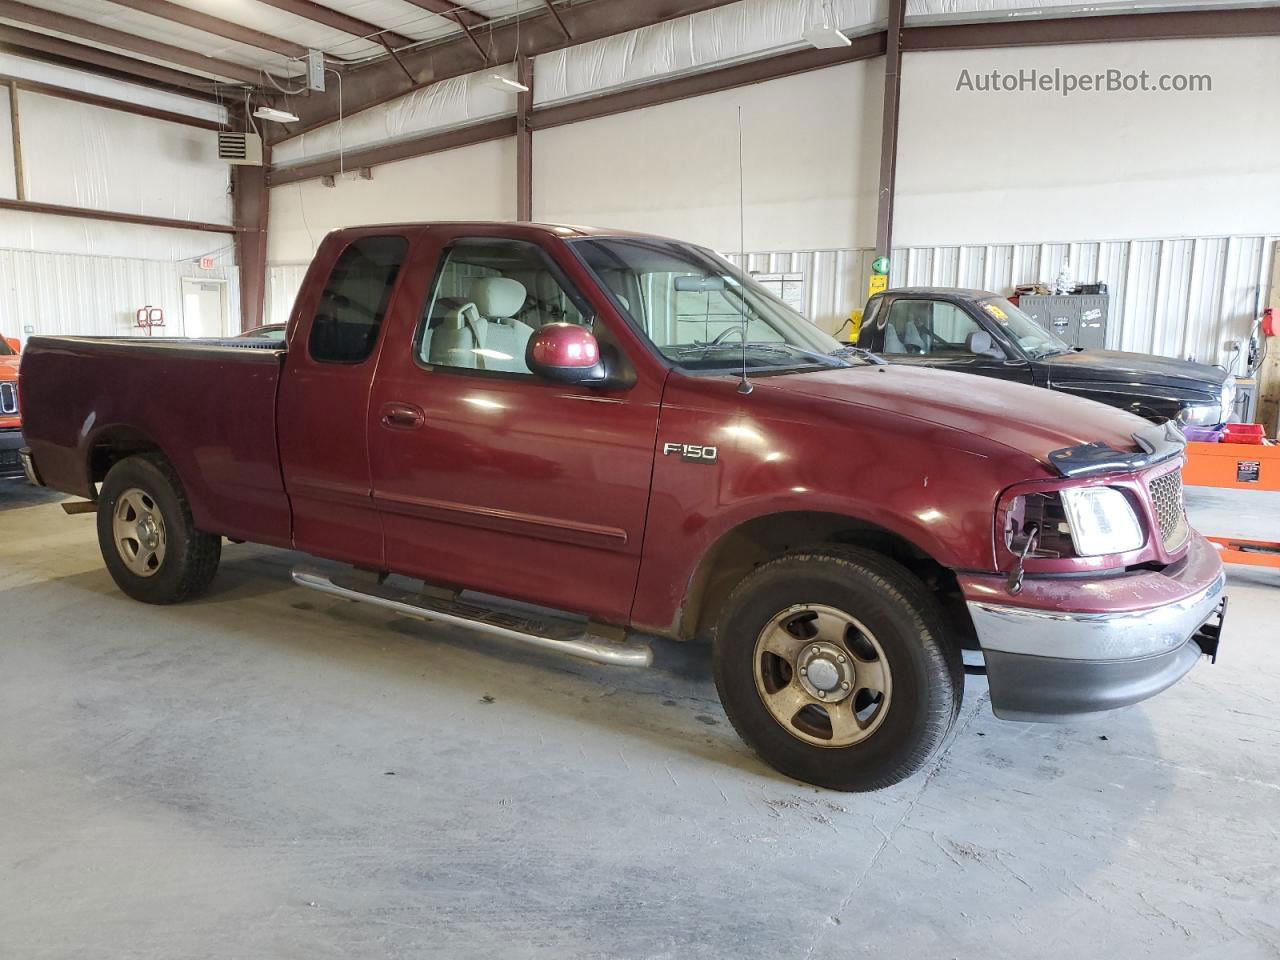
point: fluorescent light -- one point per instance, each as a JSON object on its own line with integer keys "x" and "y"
{"x": 505, "y": 83}
{"x": 826, "y": 37}
{"x": 271, "y": 113}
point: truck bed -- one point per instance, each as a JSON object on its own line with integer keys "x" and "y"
{"x": 208, "y": 405}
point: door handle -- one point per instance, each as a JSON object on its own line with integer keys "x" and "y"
{"x": 402, "y": 416}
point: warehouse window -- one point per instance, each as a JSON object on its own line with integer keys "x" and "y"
{"x": 346, "y": 324}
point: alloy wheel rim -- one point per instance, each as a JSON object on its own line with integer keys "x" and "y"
{"x": 138, "y": 530}
{"x": 822, "y": 675}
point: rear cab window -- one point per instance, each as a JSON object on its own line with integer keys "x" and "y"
{"x": 355, "y": 298}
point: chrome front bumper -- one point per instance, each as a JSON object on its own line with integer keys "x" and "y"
{"x": 1049, "y": 665}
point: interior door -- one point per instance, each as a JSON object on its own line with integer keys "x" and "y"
{"x": 491, "y": 478}
{"x": 942, "y": 334}
{"x": 324, "y": 395}
{"x": 204, "y": 307}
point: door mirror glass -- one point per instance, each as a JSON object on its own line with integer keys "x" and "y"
{"x": 564, "y": 352}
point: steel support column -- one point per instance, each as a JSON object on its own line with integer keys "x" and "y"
{"x": 524, "y": 141}
{"x": 889, "y": 127}
{"x": 249, "y": 204}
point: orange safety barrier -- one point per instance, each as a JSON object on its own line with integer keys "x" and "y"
{"x": 1237, "y": 466}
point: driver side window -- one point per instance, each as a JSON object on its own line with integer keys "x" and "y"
{"x": 928, "y": 328}
{"x": 489, "y": 297}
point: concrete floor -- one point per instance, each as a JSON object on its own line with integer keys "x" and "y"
{"x": 268, "y": 773}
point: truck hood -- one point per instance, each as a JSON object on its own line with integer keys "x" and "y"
{"x": 1136, "y": 369}
{"x": 1029, "y": 419}
{"x": 9, "y": 367}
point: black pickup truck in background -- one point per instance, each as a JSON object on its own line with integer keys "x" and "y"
{"x": 975, "y": 331}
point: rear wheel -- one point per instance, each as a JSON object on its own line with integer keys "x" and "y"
{"x": 148, "y": 539}
{"x": 833, "y": 666}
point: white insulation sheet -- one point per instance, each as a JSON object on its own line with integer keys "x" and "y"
{"x": 80, "y": 155}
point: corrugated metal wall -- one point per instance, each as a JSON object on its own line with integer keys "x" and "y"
{"x": 65, "y": 293}
{"x": 1182, "y": 297}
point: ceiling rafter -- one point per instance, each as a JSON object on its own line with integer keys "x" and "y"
{"x": 452, "y": 11}
{"x": 176, "y": 13}
{"x": 316, "y": 13}
{"x": 118, "y": 66}
{"x": 538, "y": 33}
{"x": 96, "y": 33}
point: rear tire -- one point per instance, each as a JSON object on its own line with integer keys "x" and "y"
{"x": 881, "y": 685}
{"x": 148, "y": 539}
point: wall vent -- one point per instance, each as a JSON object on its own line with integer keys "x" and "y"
{"x": 240, "y": 148}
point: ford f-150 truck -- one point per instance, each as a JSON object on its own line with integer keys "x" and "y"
{"x": 628, "y": 437}
{"x": 10, "y": 421}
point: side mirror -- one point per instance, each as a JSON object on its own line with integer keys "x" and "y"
{"x": 566, "y": 353}
{"x": 14, "y": 344}
{"x": 980, "y": 344}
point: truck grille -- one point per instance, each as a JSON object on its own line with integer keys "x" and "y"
{"x": 8, "y": 399}
{"x": 1166, "y": 497}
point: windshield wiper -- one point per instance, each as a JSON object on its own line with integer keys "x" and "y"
{"x": 759, "y": 346}
{"x": 861, "y": 353}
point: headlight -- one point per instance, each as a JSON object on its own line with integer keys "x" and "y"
{"x": 1101, "y": 520}
{"x": 1201, "y": 415}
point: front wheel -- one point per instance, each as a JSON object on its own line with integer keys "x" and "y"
{"x": 148, "y": 539}
{"x": 833, "y": 665}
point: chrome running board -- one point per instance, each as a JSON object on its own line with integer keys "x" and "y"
{"x": 583, "y": 640}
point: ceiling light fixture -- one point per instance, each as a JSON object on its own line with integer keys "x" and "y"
{"x": 500, "y": 82}
{"x": 271, "y": 113}
{"x": 825, "y": 36}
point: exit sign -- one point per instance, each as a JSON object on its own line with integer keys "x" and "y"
{"x": 206, "y": 263}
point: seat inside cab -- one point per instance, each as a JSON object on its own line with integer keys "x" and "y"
{"x": 489, "y": 298}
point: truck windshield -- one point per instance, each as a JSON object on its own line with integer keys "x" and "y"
{"x": 1035, "y": 341}
{"x": 703, "y": 312}
{"x": 5, "y": 349}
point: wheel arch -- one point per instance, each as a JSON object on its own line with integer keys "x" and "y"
{"x": 760, "y": 539}
{"x": 111, "y": 444}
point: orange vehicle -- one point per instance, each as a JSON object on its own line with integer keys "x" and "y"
{"x": 10, "y": 422}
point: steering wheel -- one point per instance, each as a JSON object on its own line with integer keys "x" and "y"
{"x": 720, "y": 337}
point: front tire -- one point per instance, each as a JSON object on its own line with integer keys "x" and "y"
{"x": 148, "y": 539}
{"x": 834, "y": 666}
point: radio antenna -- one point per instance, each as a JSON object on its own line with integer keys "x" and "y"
{"x": 744, "y": 385}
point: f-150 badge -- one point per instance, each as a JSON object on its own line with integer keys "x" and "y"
{"x": 692, "y": 452}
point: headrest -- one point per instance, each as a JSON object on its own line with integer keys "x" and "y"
{"x": 497, "y": 296}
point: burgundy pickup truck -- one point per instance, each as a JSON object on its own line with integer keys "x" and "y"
{"x": 628, "y": 437}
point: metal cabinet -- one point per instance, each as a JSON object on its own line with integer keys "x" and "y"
{"x": 1081, "y": 320}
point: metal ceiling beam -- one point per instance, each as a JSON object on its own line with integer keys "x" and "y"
{"x": 42, "y": 46}
{"x": 711, "y": 81}
{"x": 87, "y": 213}
{"x": 633, "y": 98}
{"x": 110, "y": 103}
{"x": 87, "y": 30}
{"x": 177, "y": 13}
{"x": 1163, "y": 25}
{"x": 316, "y": 13}
{"x": 452, "y": 11}
{"x": 419, "y": 146}
{"x": 377, "y": 83}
